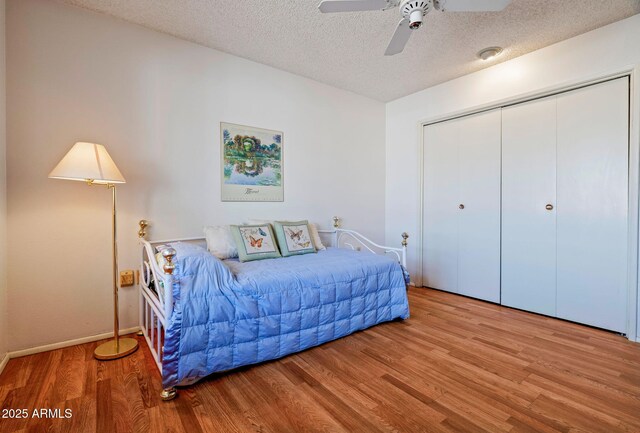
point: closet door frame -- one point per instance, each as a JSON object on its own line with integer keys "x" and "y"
{"x": 633, "y": 74}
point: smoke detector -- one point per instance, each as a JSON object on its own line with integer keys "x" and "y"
{"x": 489, "y": 53}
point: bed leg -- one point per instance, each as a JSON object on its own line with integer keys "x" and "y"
{"x": 168, "y": 394}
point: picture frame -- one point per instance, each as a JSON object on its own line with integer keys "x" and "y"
{"x": 251, "y": 163}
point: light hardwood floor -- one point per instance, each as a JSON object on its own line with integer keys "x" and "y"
{"x": 458, "y": 365}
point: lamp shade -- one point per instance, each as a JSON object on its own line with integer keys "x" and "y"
{"x": 87, "y": 162}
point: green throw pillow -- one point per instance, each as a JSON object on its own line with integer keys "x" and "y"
{"x": 255, "y": 242}
{"x": 294, "y": 237}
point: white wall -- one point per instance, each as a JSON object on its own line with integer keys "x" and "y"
{"x": 156, "y": 103}
{"x": 3, "y": 192}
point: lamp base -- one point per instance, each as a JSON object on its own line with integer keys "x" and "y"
{"x": 110, "y": 350}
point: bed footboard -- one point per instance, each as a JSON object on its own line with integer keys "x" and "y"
{"x": 156, "y": 300}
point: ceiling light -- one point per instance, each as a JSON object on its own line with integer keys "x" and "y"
{"x": 489, "y": 53}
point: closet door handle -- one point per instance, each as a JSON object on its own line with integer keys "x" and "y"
{"x": 549, "y": 207}
{"x": 460, "y": 206}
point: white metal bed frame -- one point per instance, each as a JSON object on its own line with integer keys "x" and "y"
{"x": 156, "y": 303}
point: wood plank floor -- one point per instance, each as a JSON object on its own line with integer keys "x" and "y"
{"x": 458, "y": 365}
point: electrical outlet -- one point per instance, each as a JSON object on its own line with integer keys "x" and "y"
{"x": 126, "y": 278}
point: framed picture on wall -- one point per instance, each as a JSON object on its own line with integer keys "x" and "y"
{"x": 251, "y": 163}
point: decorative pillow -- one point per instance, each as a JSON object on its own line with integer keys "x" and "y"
{"x": 220, "y": 242}
{"x": 313, "y": 230}
{"x": 255, "y": 242}
{"x": 294, "y": 237}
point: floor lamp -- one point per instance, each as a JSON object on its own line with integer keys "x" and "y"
{"x": 90, "y": 163}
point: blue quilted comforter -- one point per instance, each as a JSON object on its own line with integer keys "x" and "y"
{"x": 229, "y": 314}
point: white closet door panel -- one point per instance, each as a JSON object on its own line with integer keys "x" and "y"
{"x": 440, "y": 225}
{"x": 479, "y": 221}
{"x": 592, "y": 205}
{"x": 528, "y": 185}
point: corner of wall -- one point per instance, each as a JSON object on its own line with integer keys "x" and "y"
{"x": 4, "y": 329}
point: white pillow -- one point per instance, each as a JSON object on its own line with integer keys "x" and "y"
{"x": 220, "y": 242}
{"x": 313, "y": 231}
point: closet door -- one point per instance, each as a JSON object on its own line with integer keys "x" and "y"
{"x": 592, "y": 204}
{"x": 479, "y": 206}
{"x": 440, "y": 225}
{"x": 528, "y": 191}
{"x": 461, "y": 224}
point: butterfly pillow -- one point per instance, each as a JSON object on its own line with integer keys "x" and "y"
{"x": 294, "y": 237}
{"x": 255, "y": 242}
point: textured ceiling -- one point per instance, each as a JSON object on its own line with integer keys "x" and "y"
{"x": 346, "y": 50}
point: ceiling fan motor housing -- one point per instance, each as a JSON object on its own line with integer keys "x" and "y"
{"x": 414, "y": 10}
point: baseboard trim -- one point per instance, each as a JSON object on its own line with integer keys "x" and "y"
{"x": 3, "y": 361}
{"x": 62, "y": 344}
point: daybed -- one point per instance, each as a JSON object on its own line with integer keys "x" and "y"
{"x": 200, "y": 315}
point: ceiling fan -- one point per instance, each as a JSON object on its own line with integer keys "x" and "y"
{"x": 412, "y": 12}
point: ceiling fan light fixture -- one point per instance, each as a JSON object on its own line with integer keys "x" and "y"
{"x": 489, "y": 53}
{"x": 415, "y": 19}
{"x": 414, "y": 11}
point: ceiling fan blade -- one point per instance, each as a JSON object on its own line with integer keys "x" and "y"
{"x": 473, "y": 5}
{"x": 327, "y": 6}
{"x": 399, "y": 39}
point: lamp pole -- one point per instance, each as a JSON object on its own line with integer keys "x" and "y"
{"x": 114, "y": 240}
{"x": 118, "y": 347}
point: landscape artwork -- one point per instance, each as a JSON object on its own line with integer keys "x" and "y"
{"x": 251, "y": 163}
